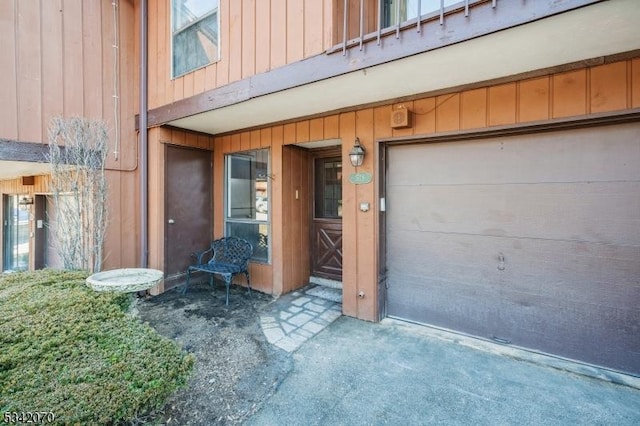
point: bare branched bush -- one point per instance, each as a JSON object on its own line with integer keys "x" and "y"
{"x": 79, "y": 190}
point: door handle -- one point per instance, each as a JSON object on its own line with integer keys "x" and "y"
{"x": 171, "y": 221}
{"x": 501, "y": 262}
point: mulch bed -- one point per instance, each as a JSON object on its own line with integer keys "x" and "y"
{"x": 236, "y": 369}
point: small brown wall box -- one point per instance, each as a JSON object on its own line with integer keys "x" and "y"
{"x": 400, "y": 118}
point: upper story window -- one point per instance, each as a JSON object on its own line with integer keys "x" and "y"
{"x": 399, "y": 11}
{"x": 195, "y": 34}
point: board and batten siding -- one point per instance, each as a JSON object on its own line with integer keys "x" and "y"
{"x": 255, "y": 36}
{"x": 57, "y": 60}
{"x": 603, "y": 88}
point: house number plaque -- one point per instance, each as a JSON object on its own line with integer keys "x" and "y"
{"x": 360, "y": 178}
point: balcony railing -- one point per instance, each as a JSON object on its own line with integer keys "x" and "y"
{"x": 367, "y": 20}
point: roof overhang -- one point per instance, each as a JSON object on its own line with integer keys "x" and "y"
{"x": 598, "y": 30}
{"x": 22, "y": 159}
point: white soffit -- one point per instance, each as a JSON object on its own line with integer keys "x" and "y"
{"x": 600, "y": 29}
{"x": 15, "y": 169}
{"x": 320, "y": 144}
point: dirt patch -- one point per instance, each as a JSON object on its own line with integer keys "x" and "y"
{"x": 236, "y": 369}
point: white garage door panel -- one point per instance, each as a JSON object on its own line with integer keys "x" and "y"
{"x": 534, "y": 240}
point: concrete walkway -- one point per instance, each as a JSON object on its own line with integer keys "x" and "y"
{"x": 359, "y": 373}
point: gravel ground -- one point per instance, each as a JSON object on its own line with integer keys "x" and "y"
{"x": 236, "y": 369}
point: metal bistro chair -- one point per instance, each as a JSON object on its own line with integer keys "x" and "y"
{"x": 229, "y": 257}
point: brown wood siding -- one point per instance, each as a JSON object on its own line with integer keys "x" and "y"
{"x": 67, "y": 69}
{"x": 520, "y": 102}
{"x": 370, "y": 19}
{"x": 58, "y": 60}
{"x": 255, "y": 36}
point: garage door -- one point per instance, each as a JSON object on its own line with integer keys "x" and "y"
{"x": 530, "y": 240}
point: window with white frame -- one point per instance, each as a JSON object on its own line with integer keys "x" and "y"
{"x": 195, "y": 34}
{"x": 399, "y": 11}
{"x": 247, "y": 200}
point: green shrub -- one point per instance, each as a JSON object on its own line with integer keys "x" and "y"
{"x": 67, "y": 349}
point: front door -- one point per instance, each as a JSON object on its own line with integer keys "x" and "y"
{"x": 188, "y": 206}
{"x": 326, "y": 252}
{"x": 16, "y": 234}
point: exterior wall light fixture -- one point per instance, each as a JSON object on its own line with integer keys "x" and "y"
{"x": 356, "y": 155}
{"x": 25, "y": 201}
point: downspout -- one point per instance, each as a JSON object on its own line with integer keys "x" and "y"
{"x": 144, "y": 172}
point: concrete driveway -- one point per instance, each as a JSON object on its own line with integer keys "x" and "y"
{"x": 359, "y": 373}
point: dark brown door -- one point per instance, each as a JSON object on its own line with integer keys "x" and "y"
{"x": 188, "y": 206}
{"x": 326, "y": 252}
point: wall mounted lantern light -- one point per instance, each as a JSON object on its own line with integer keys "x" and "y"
{"x": 25, "y": 201}
{"x": 356, "y": 155}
